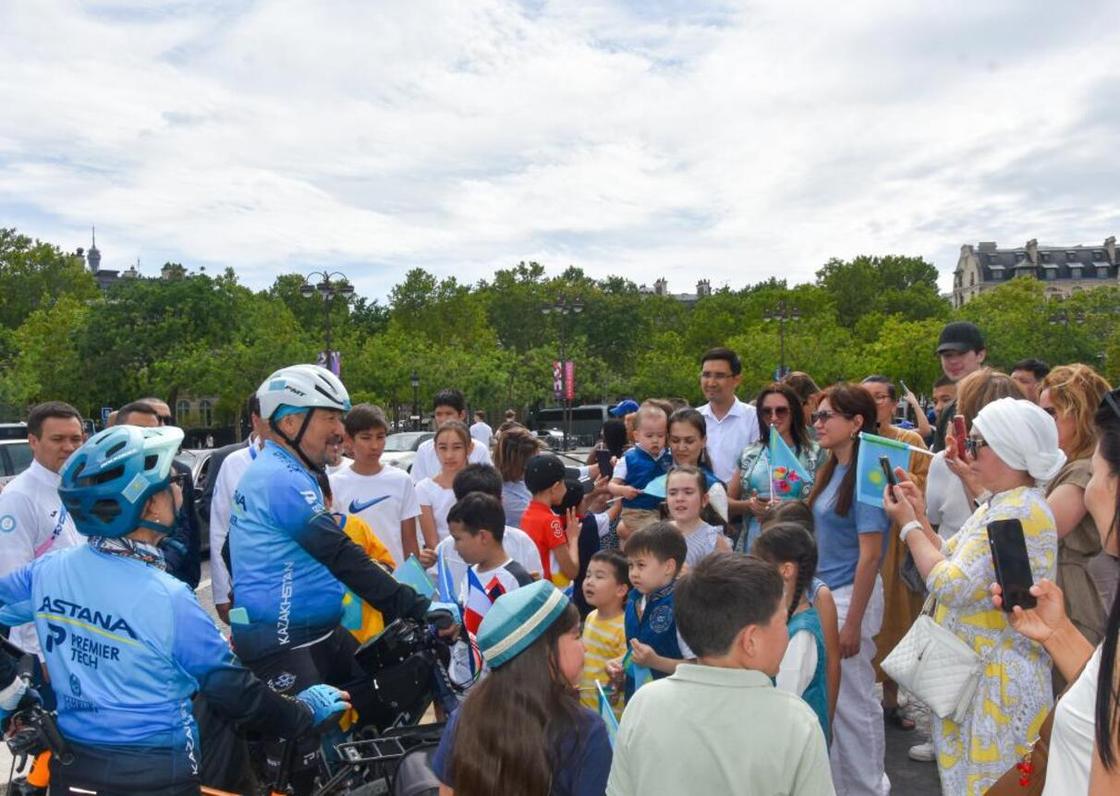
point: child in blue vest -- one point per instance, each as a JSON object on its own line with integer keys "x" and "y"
{"x": 648, "y": 459}
{"x": 803, "y": 671}
{"x": 656, "y": 553}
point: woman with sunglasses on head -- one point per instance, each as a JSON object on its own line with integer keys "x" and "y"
{"x": 850, "y": 544}
{"x": 1071, "y": 395}
{"x": 1011, "y": 449}
{"x": 1084, "y": 751}
{"x": 901, "y": 605}
{"x": 748, "y": 490}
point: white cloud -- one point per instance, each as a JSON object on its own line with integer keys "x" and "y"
{"x": 682, "y": 139}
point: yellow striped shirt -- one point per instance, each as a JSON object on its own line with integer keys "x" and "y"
{"x": 603, "y": 640}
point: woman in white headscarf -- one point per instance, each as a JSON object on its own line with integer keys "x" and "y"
{"x": 1013, "y": 451}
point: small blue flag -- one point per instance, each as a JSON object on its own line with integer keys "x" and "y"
{"x": 445, "y": 586}
{"x": 789, "y": 480}
{"x": 607, "y": 713}
{"x": 411, "y": 573}
{"x": 870, "y": 481}
{"x": 638, "y": 673}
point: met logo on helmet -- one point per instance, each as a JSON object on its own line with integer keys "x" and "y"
{"x": 65, "y": 608}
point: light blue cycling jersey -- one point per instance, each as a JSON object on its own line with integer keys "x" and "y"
{"x": 289, "y": 598}
{"x": 127, "y": 646}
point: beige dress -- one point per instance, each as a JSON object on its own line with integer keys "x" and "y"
{"x": 1082, "y": 544}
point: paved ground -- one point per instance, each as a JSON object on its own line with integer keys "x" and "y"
{"x": 907, "y": 777}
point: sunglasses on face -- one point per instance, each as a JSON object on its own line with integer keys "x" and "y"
{"x": 824, "y": 415}
{"x": 178, "y": 479}
{"x": 774, "y": 411}
{"x": 1050, "y": 411}
{"x": 165, "y": 420}
{"x": 973, "y": 444}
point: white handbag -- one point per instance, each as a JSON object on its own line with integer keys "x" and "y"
{"x": 937, "y": 667}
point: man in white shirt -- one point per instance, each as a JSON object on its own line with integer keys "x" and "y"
{"x": 480, "y": 429}
{"x": 448, "y": 405}
{"x": 33, "y": 520}
{"x": 224, "y": 475}
{"x": 732, "y": 424}
{"x": 383, "y": 496}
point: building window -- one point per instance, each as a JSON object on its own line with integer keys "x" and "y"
{"x": 207, "y": 412}
{"x": 182, "y": 411}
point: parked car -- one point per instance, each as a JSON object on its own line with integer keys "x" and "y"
{"x": 400, "y": 448}
{"x": 199, "y": 462}
{"x": 15, "y": 457}
{"x": 552, "y": 437}
{"x": 13, "y": 431}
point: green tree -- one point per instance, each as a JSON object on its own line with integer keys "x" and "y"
{"x": 35, "y": 274}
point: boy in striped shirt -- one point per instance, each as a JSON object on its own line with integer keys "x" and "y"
{"x": 604, "y": 631}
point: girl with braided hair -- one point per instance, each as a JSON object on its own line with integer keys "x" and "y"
{"x": 803, "y": 671}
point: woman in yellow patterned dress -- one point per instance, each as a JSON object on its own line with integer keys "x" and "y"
{"x": 1013, "y": 447}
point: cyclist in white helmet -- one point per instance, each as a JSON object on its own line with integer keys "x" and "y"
{"x": 291, "y": 563}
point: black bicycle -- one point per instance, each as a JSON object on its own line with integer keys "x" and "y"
{"x": 388, "y": 751}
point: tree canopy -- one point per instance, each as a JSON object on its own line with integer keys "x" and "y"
{"x": 194, "y": 334}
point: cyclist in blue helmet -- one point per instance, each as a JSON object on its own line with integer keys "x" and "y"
{"x": 291, "y": 563}
{"x": 127, "y": 645}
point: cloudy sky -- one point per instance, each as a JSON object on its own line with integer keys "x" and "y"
{"x": 675, "y": 138}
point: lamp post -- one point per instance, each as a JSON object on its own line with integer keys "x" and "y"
{"x": 415, "y": 380}
{"x": 329, "y": 285}
{"x": 564, "y": 307}
{"x": 783, "y": 312}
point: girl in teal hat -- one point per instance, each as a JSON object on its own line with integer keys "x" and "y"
{"x": 522, "y": 729}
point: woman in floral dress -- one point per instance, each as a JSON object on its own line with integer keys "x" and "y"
{"x": 1013, "y": 447}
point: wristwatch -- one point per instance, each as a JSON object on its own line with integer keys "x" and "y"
{"x": 908, "y": 529}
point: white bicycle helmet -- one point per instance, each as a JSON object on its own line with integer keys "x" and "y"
{"x": 302, "y": 387}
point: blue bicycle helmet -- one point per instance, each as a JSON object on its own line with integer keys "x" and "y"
{"x": 107, "y": 482}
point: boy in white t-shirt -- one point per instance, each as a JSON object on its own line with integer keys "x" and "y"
{"x": 384, "y": 497}
{"x": 517, "y": 544}
{"x": 477, "y": 523}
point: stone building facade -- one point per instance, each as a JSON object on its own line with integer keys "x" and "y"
{"x": 1064, "y": 270}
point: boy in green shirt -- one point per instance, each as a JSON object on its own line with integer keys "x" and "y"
{"x": 719, "y": 725}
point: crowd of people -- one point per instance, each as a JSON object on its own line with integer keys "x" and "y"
{"x": 666, "y": 615}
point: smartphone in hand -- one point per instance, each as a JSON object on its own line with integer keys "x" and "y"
{"x": 1011, "y": 563}
{"x": 888, "y": 471}
{"x": 960, "y": 433}
{"x": 603, "y": 459}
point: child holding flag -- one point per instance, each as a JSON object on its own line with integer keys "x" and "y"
{"x": 477, "y": 523}
{"x": 790, "y": 458}
{"x": 522, "y": 730}
{"x": 686, "y": 495}
{"x": 657, "y": 554}
{"x": 604, "y": 631}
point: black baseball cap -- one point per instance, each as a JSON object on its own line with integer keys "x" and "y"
{"x": 543, "y": 471}
{"x": 960, "y": 336}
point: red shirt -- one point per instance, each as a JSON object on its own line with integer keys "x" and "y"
{"x": 547, "y": 532}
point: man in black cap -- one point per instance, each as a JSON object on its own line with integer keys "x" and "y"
{"x": 962, "y": 351}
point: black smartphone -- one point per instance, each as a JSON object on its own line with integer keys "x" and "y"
{"x": 1012, "y": 565}
{"x": 888, "y": 471}
{"x": 603, "y": 459}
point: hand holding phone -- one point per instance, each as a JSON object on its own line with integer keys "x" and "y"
{"x": 960, "y": 433}
{"x": 603, "y": 459}
{"x": 1012, "y": 563}
{"x": 888, "y": 471}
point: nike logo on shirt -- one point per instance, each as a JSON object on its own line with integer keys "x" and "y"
{"x": 357, "y": 506}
